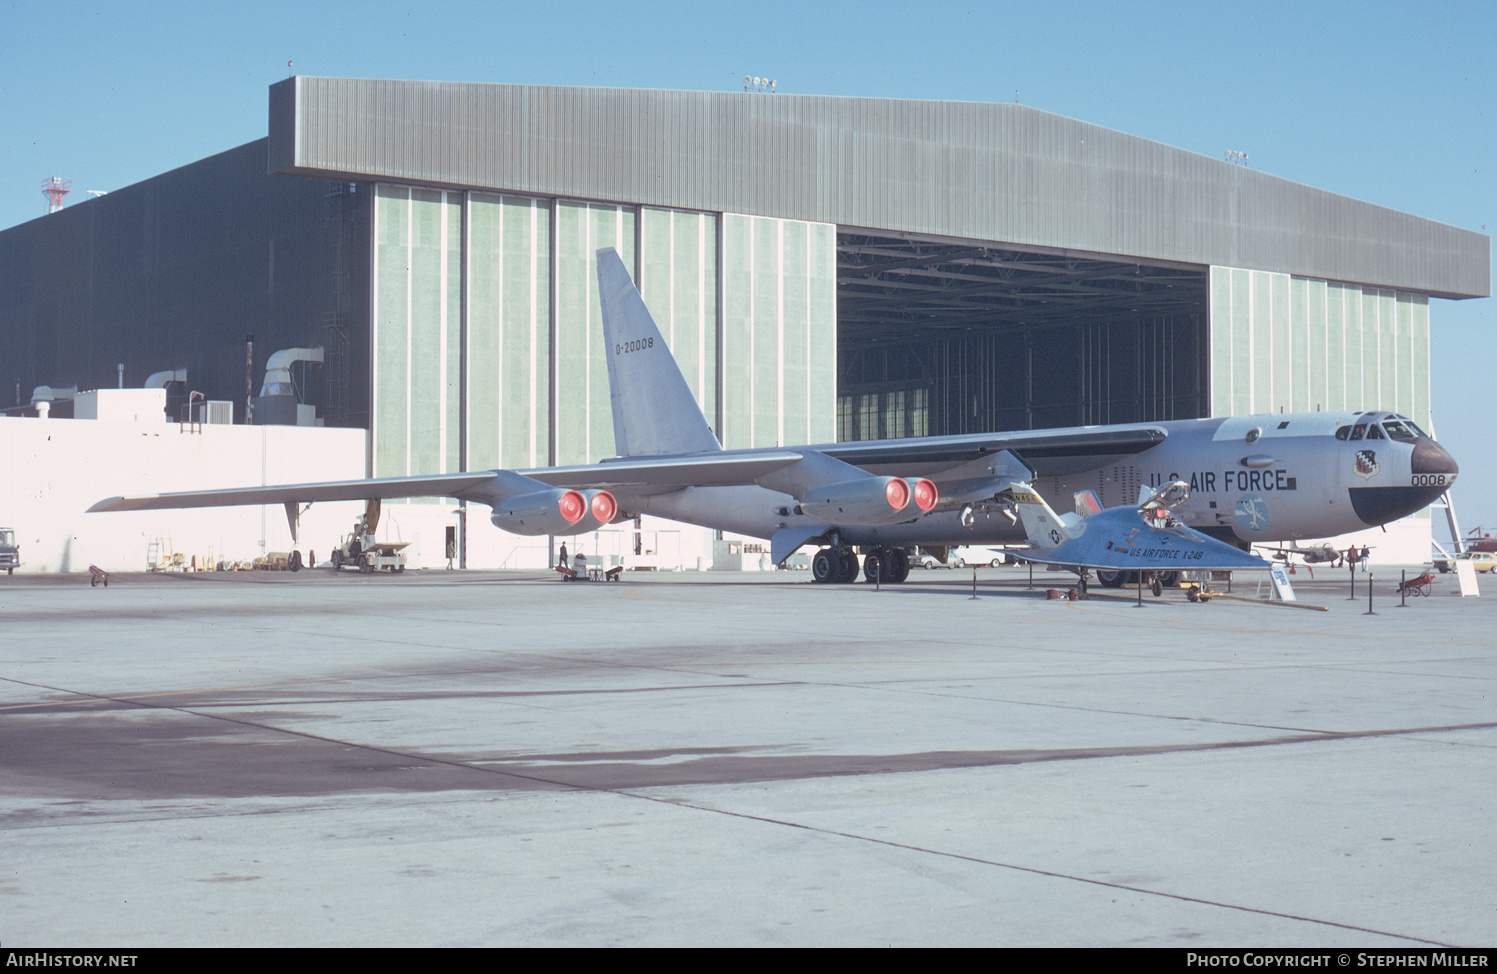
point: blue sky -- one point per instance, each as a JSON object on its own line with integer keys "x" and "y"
{"x": 1392, "y": 103}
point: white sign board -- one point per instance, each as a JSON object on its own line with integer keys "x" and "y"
{"x": 1282, "y": 590}
{"x": 1466, "y": 573}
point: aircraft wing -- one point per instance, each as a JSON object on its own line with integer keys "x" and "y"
{"x": 440, "y": 485}
{"x": 647, "y": 475}
{"x": 1048, "y": 452}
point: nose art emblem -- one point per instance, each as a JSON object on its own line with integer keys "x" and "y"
{"x": 1366, "y": 464}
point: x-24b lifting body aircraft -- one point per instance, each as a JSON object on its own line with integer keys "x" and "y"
{"x": 1251, "y": 479}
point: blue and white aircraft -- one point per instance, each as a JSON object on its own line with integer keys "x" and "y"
{"x": 1264, "y": 478}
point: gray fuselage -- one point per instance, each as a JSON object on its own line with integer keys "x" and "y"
{"x": 1263, "y": 478}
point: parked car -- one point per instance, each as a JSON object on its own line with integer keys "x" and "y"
{"x": 1482, "y": 561}
{"x": 924, "y": 559}
{"x": 962, "y": 557}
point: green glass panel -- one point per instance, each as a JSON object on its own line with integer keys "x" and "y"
{"x": 391, "y": 326}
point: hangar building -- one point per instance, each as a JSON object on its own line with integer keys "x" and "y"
{"x": 824, "y": 268}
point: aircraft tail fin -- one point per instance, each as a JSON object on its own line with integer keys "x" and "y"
{"x": 1087, "y": 503}
{"x": 654, "y": 411}
{"x": 1044, "y": 528}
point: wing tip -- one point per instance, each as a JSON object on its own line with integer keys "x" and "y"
{"x": 119, "y": 504}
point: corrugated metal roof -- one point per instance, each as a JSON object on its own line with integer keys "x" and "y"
{"x": 994, "y": 172}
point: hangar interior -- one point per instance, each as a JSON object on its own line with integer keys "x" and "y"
{"x": 939, "y": 336}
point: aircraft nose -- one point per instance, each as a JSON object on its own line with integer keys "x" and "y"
{"x": 1430, "y": 457}
{"x": 1432, "y": 470}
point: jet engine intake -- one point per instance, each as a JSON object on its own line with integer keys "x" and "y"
{"x": 924, "y": 494}
{"x": 601, "y": 510}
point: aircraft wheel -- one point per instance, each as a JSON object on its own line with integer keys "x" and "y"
{"x": 1111, "y": 579}
{"x": 849, "y": 572}
{"x": 1157, "y": 587}
{"x": 294, "y": 562}
{"x": 825, "y": 566}
{"x": 876, "y": 566}
{"x": 899, "y": 565}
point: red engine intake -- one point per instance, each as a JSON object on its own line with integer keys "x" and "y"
{"x": 924, "y": 494}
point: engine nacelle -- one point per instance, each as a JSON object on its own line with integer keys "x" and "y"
{"x": 555, "y": 511}
{"x": 867, "y": 500}
{"x": 552, "y": 511}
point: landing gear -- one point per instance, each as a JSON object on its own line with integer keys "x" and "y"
{"x": 834, "y": 565}
{"x": 886, "y": 565}
{"x": 849, "y": 566}
{"x": 899, "y": 565}
{"x": 1156, "y": 582}
{"x": 880, "y": 565}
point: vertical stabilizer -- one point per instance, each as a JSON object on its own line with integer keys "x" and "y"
{"x": 1044, "y": 528}
{"x": 654, "y": 412}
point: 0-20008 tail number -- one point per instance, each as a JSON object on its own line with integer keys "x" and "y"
{"x": 638, "y": 345}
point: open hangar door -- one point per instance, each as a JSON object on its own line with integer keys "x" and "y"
{"x": 938, "y": 336}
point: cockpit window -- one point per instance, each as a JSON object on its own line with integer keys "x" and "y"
{"x": 1399, "y": 431}
{"x": 1374, "y": 431}
{"x": 1358, "y": 431}
{"x": 1343, "y": 432}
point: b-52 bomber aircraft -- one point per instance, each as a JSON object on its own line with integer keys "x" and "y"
{"x": 1251, "y": 478}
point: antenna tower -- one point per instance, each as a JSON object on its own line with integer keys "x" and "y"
{"x": 54, "y": 188}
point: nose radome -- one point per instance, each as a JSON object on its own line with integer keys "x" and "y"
{"x": 1431, "y": 457}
